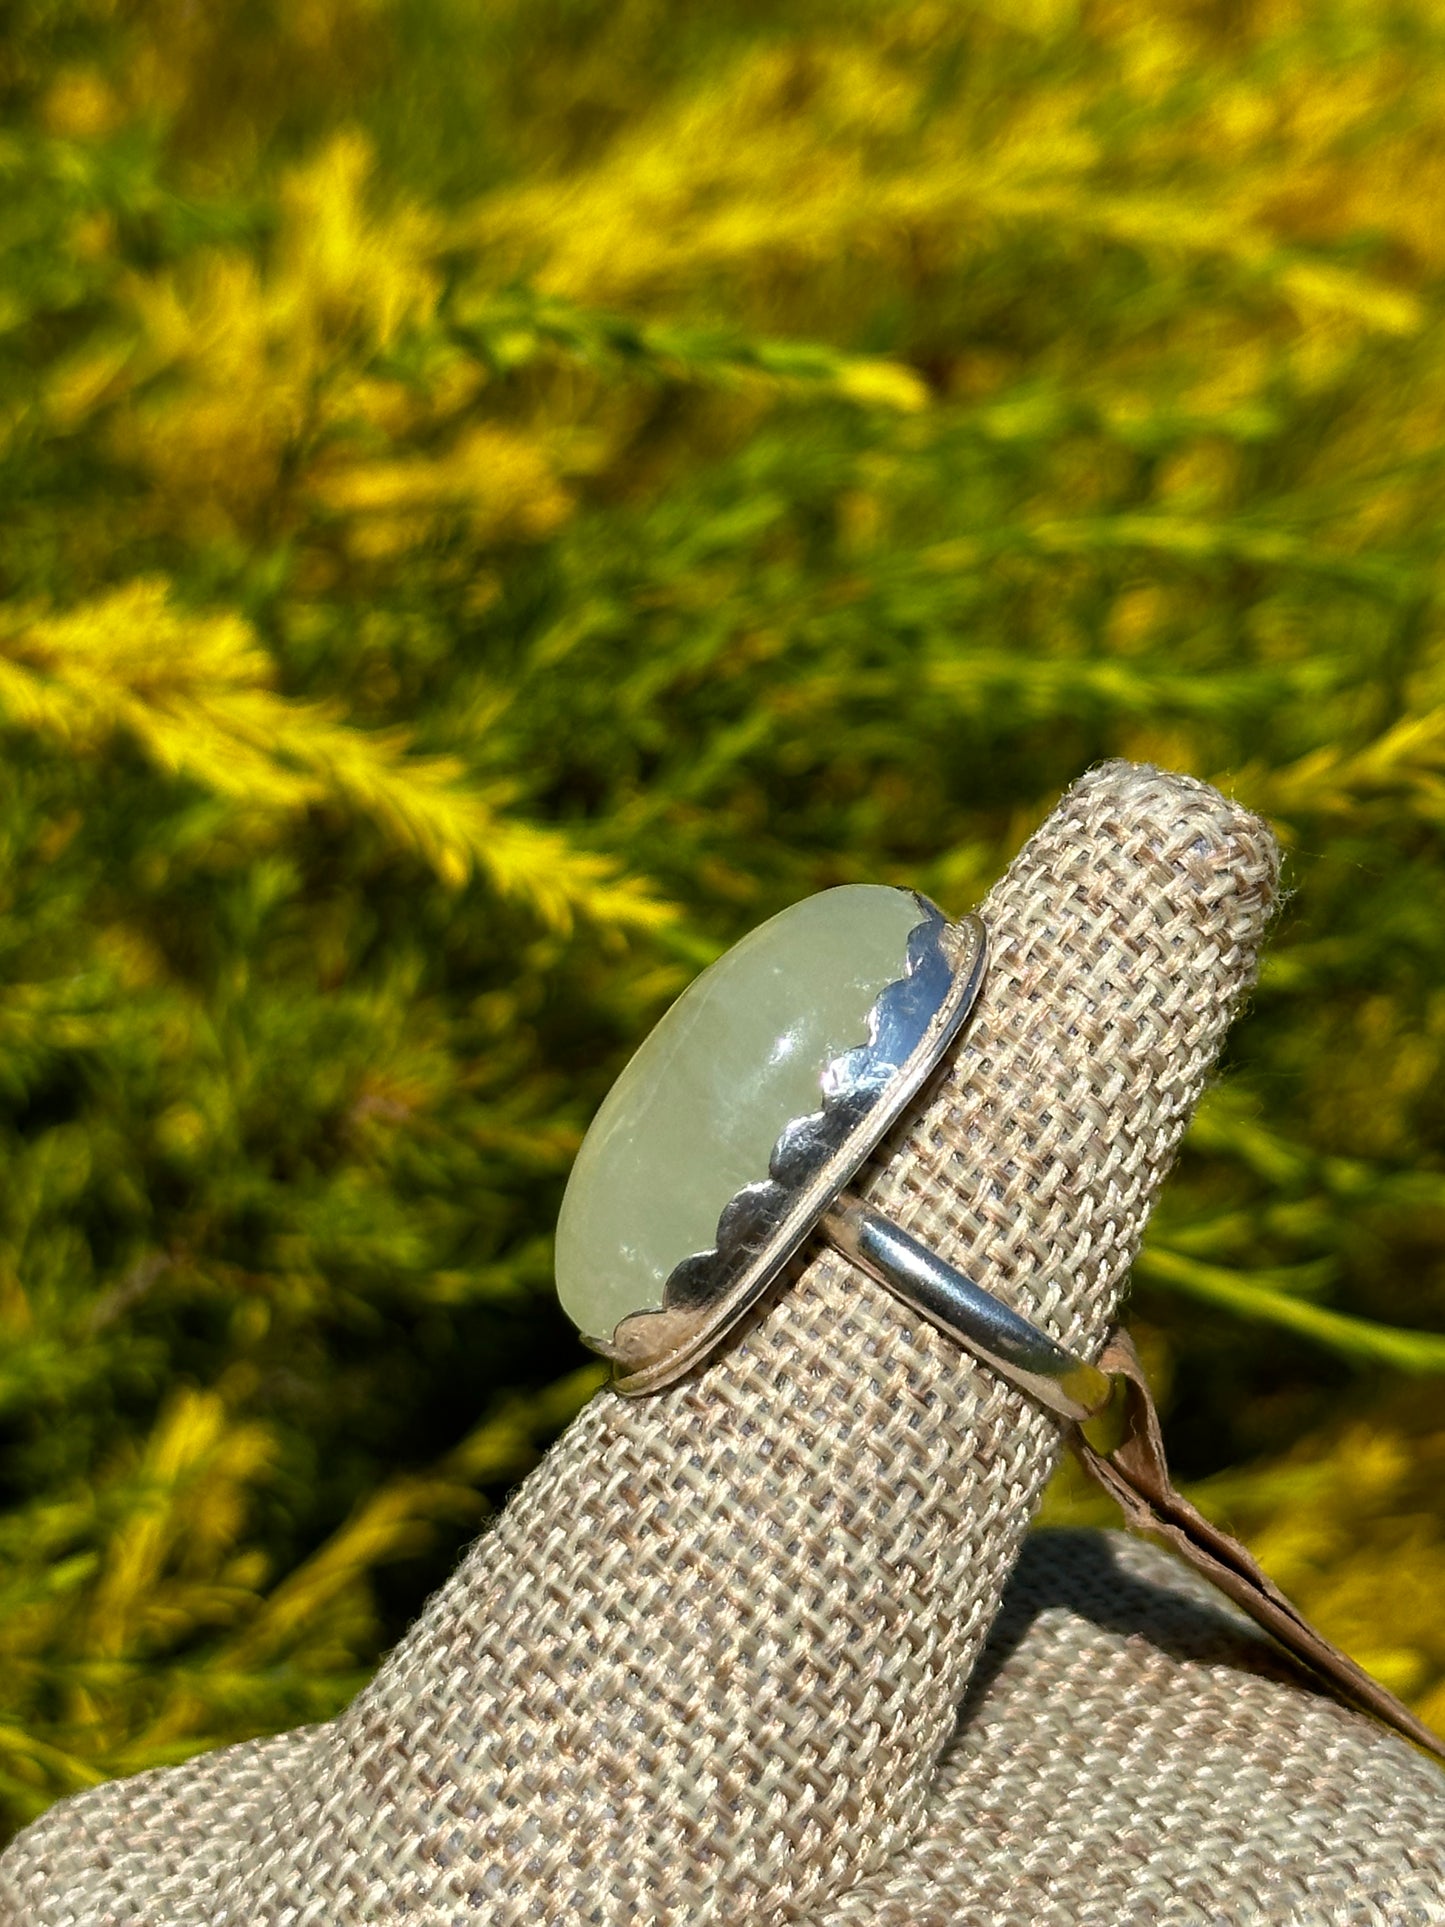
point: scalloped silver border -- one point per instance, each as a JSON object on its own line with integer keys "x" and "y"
{"x": 911, "y": 1024}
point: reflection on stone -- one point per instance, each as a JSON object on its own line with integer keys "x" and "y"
{"x": 695, "y": 1114}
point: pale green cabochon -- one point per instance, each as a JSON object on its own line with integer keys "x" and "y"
{"x": 695, "y": 1114}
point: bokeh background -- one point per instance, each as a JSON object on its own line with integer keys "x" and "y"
{"x": 497, "y": 497}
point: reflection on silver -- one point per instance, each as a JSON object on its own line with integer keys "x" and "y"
{"x": 1026, "y": 1356}
{"x": 911, "y": 1025}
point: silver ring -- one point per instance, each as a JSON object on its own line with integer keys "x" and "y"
{"x": 891, "y": 966}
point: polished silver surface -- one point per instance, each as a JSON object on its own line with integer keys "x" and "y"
{"x": 1015, "y": 1347}
{"x": 863, "y": 1092}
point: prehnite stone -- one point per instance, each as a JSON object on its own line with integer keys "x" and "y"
{"x": 696, "y": 1112}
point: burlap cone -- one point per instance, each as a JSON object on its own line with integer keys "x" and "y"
{"x": 704, "y": 1666}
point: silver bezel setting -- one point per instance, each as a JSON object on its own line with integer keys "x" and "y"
{"x": 913, "y": 1021}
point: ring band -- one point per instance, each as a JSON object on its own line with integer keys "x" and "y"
{"x": 990, "y": 1329}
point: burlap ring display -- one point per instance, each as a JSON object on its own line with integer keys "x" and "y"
{"x": 707, "y": 1665}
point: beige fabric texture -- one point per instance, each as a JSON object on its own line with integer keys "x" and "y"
{"x": 704, "y": 1666}
{"x": 1131, "y": 1752}
{"x": 1134, "y": 1752}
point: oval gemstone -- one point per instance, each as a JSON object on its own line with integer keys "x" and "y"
{"x": 696, "y": 1112}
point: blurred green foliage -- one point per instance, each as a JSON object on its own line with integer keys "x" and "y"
{"x": 496, "y": 502}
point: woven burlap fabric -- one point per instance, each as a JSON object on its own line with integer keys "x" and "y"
{"x": 704, "y": 1665}
{"x": 1134, "y": 1752}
